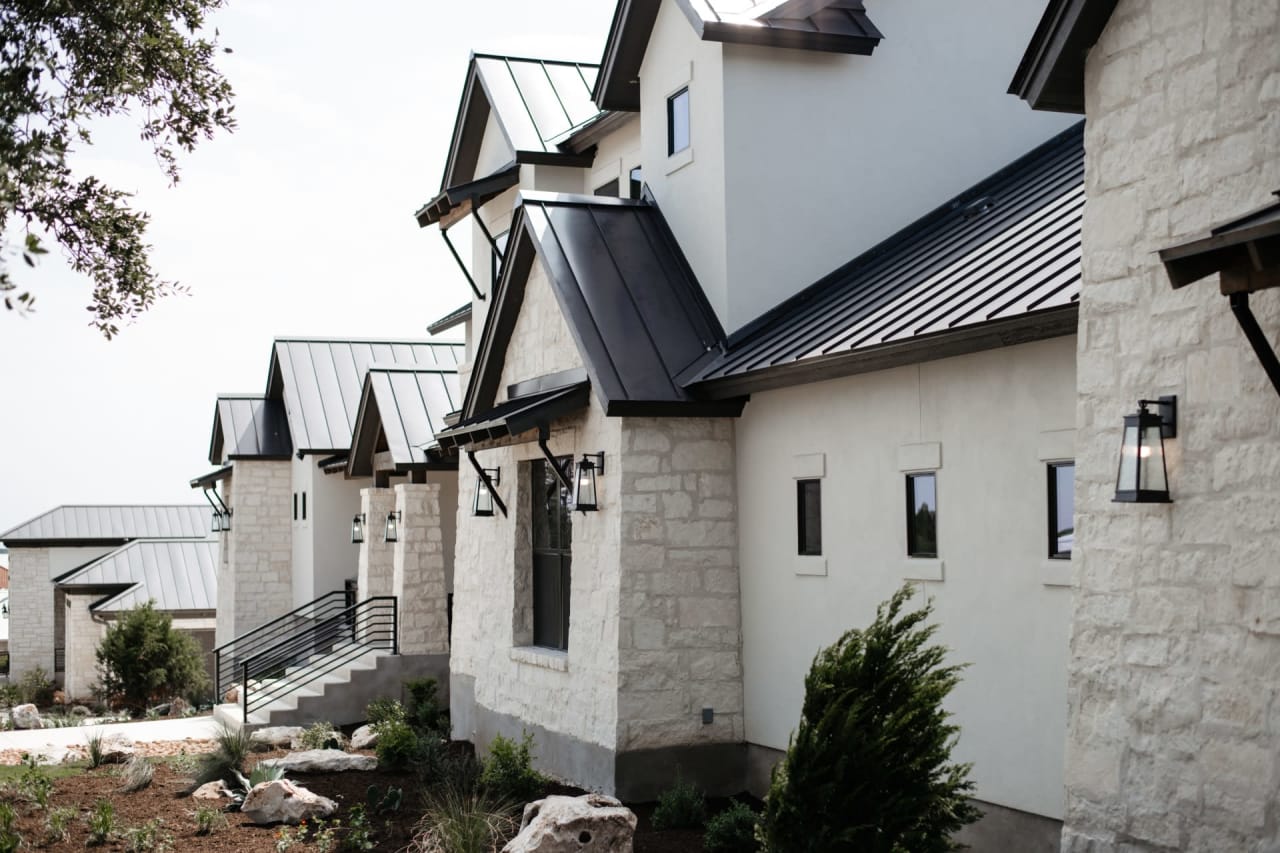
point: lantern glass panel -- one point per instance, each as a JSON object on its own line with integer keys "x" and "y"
{"x": 1127, "y": 481}
{"x": 1151, "y": 460}
{"x": 392, "y": 532}
{"x": 357, "y": 530}
{"x": 217, "y": 521}
{"x": 483, "y": 506}
{"x": 585, "y": 492}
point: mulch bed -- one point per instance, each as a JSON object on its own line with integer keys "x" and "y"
{"x": 166, "y": 798}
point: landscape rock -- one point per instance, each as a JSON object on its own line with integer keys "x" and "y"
{"x": 274, "y": 737}
{"x": 178, "y": 707}
{"x": 282, "y": 801}
{"x": 592, "y": 823}
{"x": 117, "y": 749}
{"x": 80, "y": 711}
{"x": 26, "y": 717}
{"x": 232, "y": 695}
{"x": 364, "y": 738}
{"x": 323, "y": 761}
{"x": 216, "y": 790}
{"x": 50, "y": 755}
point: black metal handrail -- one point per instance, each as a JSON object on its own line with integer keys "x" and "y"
{"x": 294, "y": 663}
{"x": 228, "y": 656}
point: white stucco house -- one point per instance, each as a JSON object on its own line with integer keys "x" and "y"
{"x": 769, "y": 316}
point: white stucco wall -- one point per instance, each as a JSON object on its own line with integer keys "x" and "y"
{"x": 330, "y": 506}
{"x": 302, "y": 477}
{"x": 616, "y": 155}
{"x": 989, "y": 412}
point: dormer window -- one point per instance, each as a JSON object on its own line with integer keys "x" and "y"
{"x": 678, "y": 122}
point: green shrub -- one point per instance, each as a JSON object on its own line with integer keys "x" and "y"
{"x": 148, "y": 838}
{"x": 460, "y": 819}
{"x": 35, "y": 688}
{"x": 732, "y": 830}
{"x": 424, "y": 711}
{"x": 94, "y": 741}
{"x": 399, "y": 746}
{"x": 143, "y": 658}
{"x": 10, "y": 838}
{"x": 321, "y": 735}
{"x": 385, "y": 710}
{"x": 137, "y": 773}
{"x": 102, "y": 823}
{"x": 869, "y": 767}
{"x": 682, "y": 806}
{"x": 231, "y": 746}
{"x": 208, "y": 819}
{"x": 381, "y": 802}
{"x": 360, "y": 835}
{"x": 56, "y": 824}
{"x": 34, "y": 783}
{"x": 508, "y": 771}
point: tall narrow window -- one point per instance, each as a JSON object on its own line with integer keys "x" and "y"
{"x": 552, "y": 553}
{"x": 496, "y": 260}
{"x": 678, "y": 122}
{"x": 304, "y": 506}
{"x": 922, "y": 515}
{"x": 809, "y": 517}
{"x": 295, "y": 506}
{"x": 1062, "y": 499}
{"x": 636, "y": 179}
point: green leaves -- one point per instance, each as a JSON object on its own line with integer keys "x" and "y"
{"x": 64, "y": 64}
{"x": 143, "y": 658}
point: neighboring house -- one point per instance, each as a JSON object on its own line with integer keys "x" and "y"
{"x": 179, "y": 577}
{"x": 695, "y": 415}
{"x": 60, "y": 541}
{"x": 1172, "y": 737}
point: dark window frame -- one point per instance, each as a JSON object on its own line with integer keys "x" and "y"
{"x": 304, "y": 506}
{"x": 808, "y": 490}
{"x": 635, "y": 179}
{"x": 611, "y": 188}
{"x": 295, "y": 506}
{"x": 912, "y": 545}
{"x": 1051, "y": 531}
{"x": 558, "y": 532}
{"x": 672, "y": 100}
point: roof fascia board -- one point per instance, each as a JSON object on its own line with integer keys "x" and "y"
{"x": 472, "y": 117}
{"x": 1036, "y": 326}
{"x": 451, "y": 320}
{"x": 720, "y": 31}
{"x": 64, "y": 543}
{"x": 1050, "y": 75}
{"x": 216, "y": 440}
{"x": 624, "y": 51}
{"x": 590, "y": 134}
{"x": 576, "y": 160}
{"x": 365, "y": 435}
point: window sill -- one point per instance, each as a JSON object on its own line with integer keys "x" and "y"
{"x": 678, "y": 160}
{"x": 1055, "y": 572}
{"x": 922, "y": 569}
{"x": 539, "y": 656}
{"x": 813, "y": 566}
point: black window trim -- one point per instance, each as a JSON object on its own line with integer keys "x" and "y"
{"x": 1051, "y": 469}
{"x": 911, "y": 515}
{"x": 671, "y": 125}
{"x": 801, "y": 526}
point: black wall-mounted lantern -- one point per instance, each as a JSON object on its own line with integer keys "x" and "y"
{"x": 483, "y": 505}
{"x": 1143, "y": 476}
{"x": 392, "y": 531}
{"x": 217, "y": 521}
{"x": 585, "y": 495}
{"x": 226, "y": 521}
{"x": 357, "y": 528}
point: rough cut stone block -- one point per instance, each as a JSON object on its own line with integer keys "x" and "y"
{"x": 592, "y": 823}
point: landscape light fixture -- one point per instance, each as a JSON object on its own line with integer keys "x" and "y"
{"x": 486, "y": 480}
{"x": 392, "y": 531}
{"x": 585, "y": 496}
{"x": 1143, "y": 477}
{"x": 357, "y": 528}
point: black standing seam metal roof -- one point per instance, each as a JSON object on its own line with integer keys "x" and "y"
{"x": 628, "y": 296}
{"x": 537, "y": 102}
{"x": 839, "y": 26}
{"x": 320, "y": 382}
{"x": 249, "y": 426}
{"x": 179, "y": 574}
{"x": 518, "y": 415}
{"x": 407, "y": 407}
{"x": 1007, "y": 248}
{"x": 109, "y": 523}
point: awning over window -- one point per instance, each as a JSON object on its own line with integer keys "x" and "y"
{"x": 207, "y": 481}
{"x": 1245, "y": 250}
{"x": 519, "y": 415}
{"x": 466, "y": 197}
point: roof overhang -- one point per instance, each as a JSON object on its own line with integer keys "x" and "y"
{"x": 206, "y": 481}
{"x": 451, "y": 320}
{"x": 1245, "y": 251}
{"x": 1051, "y": 73}
{"x": 518, "y": 415}
{"x": 618, "y": 84}
{"x": 456, "y": 202}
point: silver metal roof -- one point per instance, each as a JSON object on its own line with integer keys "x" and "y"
{"x": 320, "y": 382}
{"x": 248, "y": 426}
{"x": 408, "y": 406}
{"x": 537, "y": 101}
{"x": 177, "y": 574}
{"x": 112, "y": 524}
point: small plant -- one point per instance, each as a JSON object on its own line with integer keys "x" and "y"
{"x": 732, "y": 831}
{"x": 56, "y": 824}
{"x": 102, "y": 824}
{"x": 462, "y": 819}
{"x": 148, "y": 838}
{"x": 286, "y": 838}
{"x": 137, "y": 773}
{"x": 508, "y": 771}
{"x": 399, "y": 746}
{"x": 185, "y": 764}
{"x": 360, "y": 836}
{"x": 682, "y": 806}
{"x": 208, "y": 819}
{"x": 34, "y": 783}
{"x": 10, "y": 838}
{"x": 325, "y": 835}
{"x": 384, "y": 710}
{"x": 424, "y": 711}
{"x": 94, "y": 741}
{"x": 35, "y": 688}
{"x": 321, "y": 735}
{"x": 231, "y": 746}
{"x": 381, "y": 802}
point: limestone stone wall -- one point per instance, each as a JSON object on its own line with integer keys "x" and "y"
{"x": 255, "y": 581}
{"x": 679, "y": 637}
{"x": 376, "y": 556}
{"x": 418, "y": 578}
{"x": 83, "y": 634}
{"x": 31, "y": 611}
{"x": 1174, "y": 725}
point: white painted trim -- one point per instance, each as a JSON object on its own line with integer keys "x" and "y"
{"x": 680, "y": 159}
{"x": 1057, "y": 445}
{"x": 922, "y": 569}
{"x": 810, "y": 566}
{"x": 538, "y": 656}
{"x": 1055, "y": 573}
{"x": 924, "y": 456}
{"x": 808, "y": 466}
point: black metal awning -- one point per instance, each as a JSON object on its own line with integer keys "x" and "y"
{"x": 207, "y": 480}
{"x": 519, "y": 415}
{"x": 475, "y": 193}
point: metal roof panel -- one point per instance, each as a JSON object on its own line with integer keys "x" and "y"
{"x": 108, "y": 523}
{"x": 179, "y": 575}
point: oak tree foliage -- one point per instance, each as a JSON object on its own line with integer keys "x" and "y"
{"x": 63, "y": 65}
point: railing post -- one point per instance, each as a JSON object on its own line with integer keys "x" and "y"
{"x": 395, "y": 625}
{"x": 244, "y": 689}
{"x": 217, "y": 676}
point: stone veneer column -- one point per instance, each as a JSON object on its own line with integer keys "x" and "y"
{"x": 83, "y": 634}
{"x": 1173, "y": 736}
{"x": 31, "y": 612}
{"x": 376, "y": 556}
{"x": 259, "y": 546}
{"x": 418, "y": 571}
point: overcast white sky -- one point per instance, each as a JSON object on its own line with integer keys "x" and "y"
{"x": 298, "y": 223}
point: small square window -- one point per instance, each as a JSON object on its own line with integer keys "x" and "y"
{"x": 809, "y": 517}
{"x": 1062, "y": 499}
{"x": 922, "y": 515}
{"x": 636, "y": 179}
{"x": 678, "y": 122}
{"x": 611, "y": 189}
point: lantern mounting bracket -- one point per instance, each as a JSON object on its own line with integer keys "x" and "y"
{"x": 544, "y": 433}
{"x": 1167, "y": 408}
{"x": 488, "y": 483}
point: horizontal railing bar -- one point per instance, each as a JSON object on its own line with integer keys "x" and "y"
{"x": 275, "y": 629}
{"x": 264, "y": 697}
{"x": 340, "y": 619}
{"x": 294, "y": 612}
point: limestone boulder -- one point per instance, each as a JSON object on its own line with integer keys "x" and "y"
{"x": 282, "y": 801}
{"x": 274, "y": 737}
{"x": 26, "y": 717}
{"x": 323, "y": 761}
{"x": 117, "y": 749}
{"x": 592, "y": 823}
{"x": 212, "y": 791}
{"x": 179, "y": 707}
{"x": 232, "y": 695}
{"x": 364, "y": 738}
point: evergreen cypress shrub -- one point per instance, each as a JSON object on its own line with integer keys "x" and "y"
{"x": 143, "y": 658}
{"x": 869, "y": 769}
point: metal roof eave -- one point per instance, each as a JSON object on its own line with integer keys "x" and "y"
{"x": 477, "y": 192}
{"x": 1050, "y": 75}
{"x": 1250, "y": 240}
{"x": 212, "y": 477}
{"x": 451, "y": 320}
{"x": 517, "y": 416}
